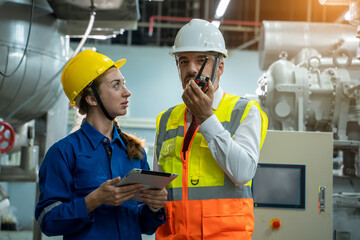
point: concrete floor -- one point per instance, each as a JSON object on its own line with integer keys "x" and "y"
{"x": 28, "y": 235}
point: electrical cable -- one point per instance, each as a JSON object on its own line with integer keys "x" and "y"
{"x": 88, "y": 29}
{"x": 87, "y": 32}
{"x": 248, "y": 43}
{"x": 26, "y": 45}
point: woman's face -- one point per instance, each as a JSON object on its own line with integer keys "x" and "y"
{"x": 113, "y": 92}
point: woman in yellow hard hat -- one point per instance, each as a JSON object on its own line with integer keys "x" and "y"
{"x": 78, "y": 197}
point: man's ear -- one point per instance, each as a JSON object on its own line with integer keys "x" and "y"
{"x": 91, "y": 100}
{"x": 220, "y": 69}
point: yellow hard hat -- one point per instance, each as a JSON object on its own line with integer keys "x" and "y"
{"x": 82, "y": 69}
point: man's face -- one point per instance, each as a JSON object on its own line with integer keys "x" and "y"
{"x": 189, "y": 64}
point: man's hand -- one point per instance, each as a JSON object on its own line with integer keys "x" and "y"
{"x": 154, "y": 198}
{"x": 199, "y": 103}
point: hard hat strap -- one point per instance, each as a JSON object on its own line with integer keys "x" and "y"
{"x": 96, "y": 94}
{"x": 216, "y": 64}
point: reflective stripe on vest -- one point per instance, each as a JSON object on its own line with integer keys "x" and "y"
{"x": 168, "y": 134}
{"x": 229, "y": 190}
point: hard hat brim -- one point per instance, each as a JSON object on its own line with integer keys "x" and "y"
{"x": 118, "y": 64}
{"x": 174, "y": 53}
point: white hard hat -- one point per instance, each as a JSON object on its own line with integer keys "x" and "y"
{"x": 199, "y": 36}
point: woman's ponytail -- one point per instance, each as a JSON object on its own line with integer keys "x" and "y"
{"x": 134, "y": 145}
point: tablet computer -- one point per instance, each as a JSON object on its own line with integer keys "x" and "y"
{"x": 149, "y": 179}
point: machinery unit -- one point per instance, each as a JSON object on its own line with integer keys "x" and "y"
{"x": 311, "y": 87}
{"x": 312, "y": 92}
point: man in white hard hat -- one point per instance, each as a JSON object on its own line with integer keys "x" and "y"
{"x": 212, "y": 141}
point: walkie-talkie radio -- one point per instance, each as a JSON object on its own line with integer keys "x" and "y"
{"x": 202, "y": 82}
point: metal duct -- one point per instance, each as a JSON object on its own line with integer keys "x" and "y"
{"x": 292, "y": 37}
{"x": 111, "y": 15}
{"x": 45, "y": 56}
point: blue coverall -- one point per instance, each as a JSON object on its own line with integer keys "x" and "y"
{"x": 77, "y": 165}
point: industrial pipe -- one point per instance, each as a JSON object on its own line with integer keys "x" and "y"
{"x": 278, "y": 36}
{"x": 187, "y": 19}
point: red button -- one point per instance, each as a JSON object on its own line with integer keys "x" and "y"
{"x": 275, "y": 223}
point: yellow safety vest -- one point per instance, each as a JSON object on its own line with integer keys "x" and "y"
{"x": 203, "y": 203}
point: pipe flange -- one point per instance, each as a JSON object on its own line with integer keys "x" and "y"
{"x": 314, "y": 62}
{"x": 340, "y": 53}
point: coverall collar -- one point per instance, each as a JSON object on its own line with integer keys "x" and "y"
{"x": 218, "y": 94}
{"x": 96, "y": 138}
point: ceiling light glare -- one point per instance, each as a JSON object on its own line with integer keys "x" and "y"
{"x": 221, "y": 8}
{"x": 334, "y": 2}
{"x": 347, "y": 16}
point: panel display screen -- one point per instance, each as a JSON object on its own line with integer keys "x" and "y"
{"x": 279, "y": 185}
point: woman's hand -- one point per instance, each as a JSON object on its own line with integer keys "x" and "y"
{"x": 154, "y": 198}
{"x": 110, "y": 194}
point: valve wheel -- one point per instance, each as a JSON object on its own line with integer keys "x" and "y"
{"x": 7, "y": 137}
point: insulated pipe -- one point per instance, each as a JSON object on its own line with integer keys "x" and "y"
{"x": 358, "y": 50}
{"x": 327, "y": 62}
{"x": 292, "y": 37}
{"x": 30, "y": 84}
{"x": 343, "y": 204}
{"x": 81, "y": 44}
{"x": 187, "y": 19}
{"x": 358, "y": 109}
